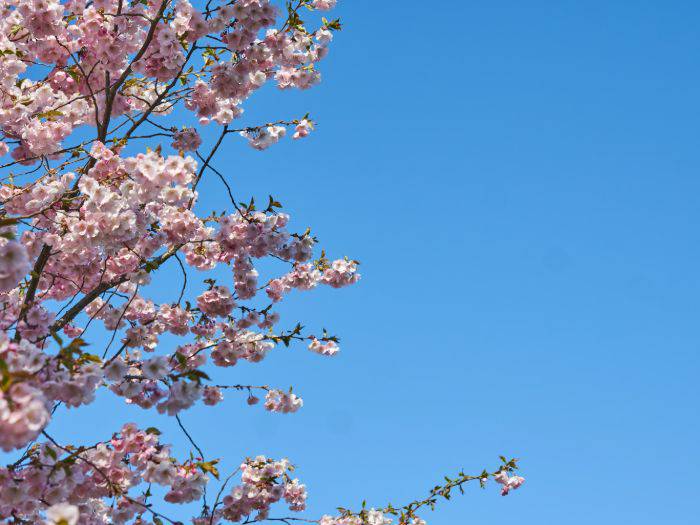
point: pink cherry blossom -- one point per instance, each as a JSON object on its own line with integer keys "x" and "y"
{"x": 14, "y": 263}
{"x": 62, "y": 514}
{"x": 283, "y": 402}
{"x": 328, "y": 347}
{"x": 186, "y": 139}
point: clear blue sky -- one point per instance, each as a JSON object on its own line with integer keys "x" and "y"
{"x": 520, "y": 182}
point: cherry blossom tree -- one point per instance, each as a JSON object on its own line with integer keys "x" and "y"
{"x": 90, "y": 214}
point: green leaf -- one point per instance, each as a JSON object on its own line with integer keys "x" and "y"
{"x": 198, "y": 375}
{"x": 57, "y": 338}
{"x": 5, "y": 377}
{"x": 209, "y": 466}
{"x": 181, "y": 359}
{"x": 8, "y": 222}
{"x": 52, "y": 114}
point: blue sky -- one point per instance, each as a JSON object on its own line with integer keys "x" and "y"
{"x": 519, "y": 181}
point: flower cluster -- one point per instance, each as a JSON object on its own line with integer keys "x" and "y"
{"x": 14, "y": 263}
{"x": 186, "y": 139}
{"x": 264, "y": 482}
{"x": 68, "y": 487}
{"x": 284, "y": 402}
{"x": 340, "y": 273}
{"x": 507, "y": 482}
{"x": 327, "y": 347}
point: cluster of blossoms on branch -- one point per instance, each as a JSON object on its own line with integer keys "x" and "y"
{"x": 87, "y": 476}
{"x": 87, "y": 223}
